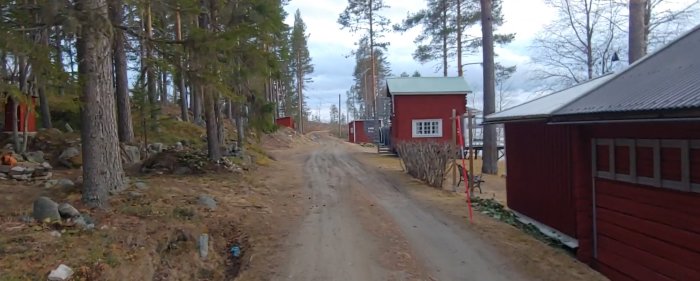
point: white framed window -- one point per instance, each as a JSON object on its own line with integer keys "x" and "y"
{"x": 427, "y": 128}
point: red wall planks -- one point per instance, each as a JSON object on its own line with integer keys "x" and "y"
{"x": 541, "y": 188}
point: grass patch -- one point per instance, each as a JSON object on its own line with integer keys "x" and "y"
{"x": 141, "y": 211}
{"x": 183, "y": 213}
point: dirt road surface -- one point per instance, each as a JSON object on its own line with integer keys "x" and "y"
{"x": 362, "y": 225}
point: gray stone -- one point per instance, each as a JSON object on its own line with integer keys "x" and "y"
{"x": 67, "y": 155}
{"x": 46, "y": 165}
{"x": 55, "y": 234}
{"x": 62, "y": 273}
{"x": 131, "y": 154}
{"x": 156, "y": 147}
{"x": 5, "y": 168}
{"x": 179, "y": 146}
{"x": 141, "y": 185}
{"x": 84, "y": 222}
{"x": 135, "y": 195}
{"x": 41, "y": 178}
{"x": 50, "y": 183}
{"x": 3, "y": 176}
{"x": 18, "y": 170}
{"x": 68, "y": 211}
{"x": 45, "y": 208}
{"x": 69, "y": 128}
{"x": 35, "y": 156}
{"x": 207, "y": 201}
{"x": 65, "y": 183}
{"x": 22, "y": 177}
{"x": 26, "y": 219}
{"x": 203, "y": 246}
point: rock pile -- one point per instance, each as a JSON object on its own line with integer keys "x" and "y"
{"x": 26, "y": 171}
{"x": 45, "y": 209}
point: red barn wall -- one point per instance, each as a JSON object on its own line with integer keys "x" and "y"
{"x": 643, "y": 232}
{"x": 539, "y": 174}
{"x": 411, "y": 107}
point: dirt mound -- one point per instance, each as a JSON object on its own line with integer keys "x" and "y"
{"x": 283, "y": 138}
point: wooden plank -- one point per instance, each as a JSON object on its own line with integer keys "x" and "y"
{"x": 673, "y": 253}
{"x": 660, "y": 215}
{"x": 634, "y": 270}
{"x": 612, "y": 274}
{"x": 663, "y": 232}
{"x": 674, "y": 200}
{"x": 648, "y": 260}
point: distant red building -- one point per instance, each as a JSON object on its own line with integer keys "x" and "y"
{"x": 613, "y": 165}
{"x": 361, "y": 131}
{"x": 422, "y": 107}
{"x": 285, "y": 122}
{"x": 22, "y": 113}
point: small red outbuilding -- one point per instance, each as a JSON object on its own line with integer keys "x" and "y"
{"x": 422, "y": 107}
{"x": 285, "y": 122}
{"x": 23, "y": 113}
{"x": 361, "y": 131}
{"x": 614, "y": 164}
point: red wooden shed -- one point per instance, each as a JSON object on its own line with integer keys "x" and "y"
{"x": 285, "y": 122}
{"x": 422, "y": 107}
{"x": 361, "y": 131}
{"x": 626, "y": 188}
{"x": 22, "y": 113}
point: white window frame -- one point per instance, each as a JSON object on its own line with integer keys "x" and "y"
{"x": 414, "y": 128}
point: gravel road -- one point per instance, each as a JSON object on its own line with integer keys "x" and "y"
{"x": 361, "y": 225}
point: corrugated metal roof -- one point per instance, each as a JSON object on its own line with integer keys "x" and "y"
{"x": 545, "y": 106}
{"x": 668, "y": 79}
{"x": 426, "y": 85}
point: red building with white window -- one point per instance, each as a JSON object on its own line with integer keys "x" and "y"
{"x": 421, "y": 107}
{"x": 614, "y": 164}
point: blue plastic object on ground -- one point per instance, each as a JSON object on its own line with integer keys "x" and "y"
{"x": 236, "y": 251}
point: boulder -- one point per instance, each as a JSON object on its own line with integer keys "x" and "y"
{"x": 156, "y": 147}
{"x": 35, "y": 156}
{"x": 18, "y": 170}
{"x": 71, "y": 157}
{"x": 207, "y": 201}
{"x": 179, "y": 146}
{"x": 65, "y": 184}
{"x": 130, "y": 154}
{"x": 45, "y": 208}
{"x": 46, "y": 165}
{"x": 68, "y": 211}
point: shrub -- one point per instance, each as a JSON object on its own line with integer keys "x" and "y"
{"x": 427, "y": 161}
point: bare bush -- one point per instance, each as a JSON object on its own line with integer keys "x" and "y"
{"x": 427, "y": 161}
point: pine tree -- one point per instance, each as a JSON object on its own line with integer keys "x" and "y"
{"x": 301, "y": 65}
{"x": 102, "y": 166}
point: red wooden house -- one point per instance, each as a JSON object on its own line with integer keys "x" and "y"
{"x": 617, "y": 168}
{"x": 421, "y": 107}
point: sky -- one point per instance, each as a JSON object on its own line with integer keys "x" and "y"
{"x": 330, "y": 48}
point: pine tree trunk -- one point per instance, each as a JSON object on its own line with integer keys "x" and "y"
{"x": 490, "y": 156}
{"x": 163, "y": 87}
{"x": 444, "y": 38}
{"x": 197, "y": 104}
{"x": 213, "y": 146}
{"x": 637, "y": 30}
{"x": 43, "y": 99}
{"x": 150, "y": 69}
{"x": 124, "y": 122}
{"x": 460, "y": 68}
{"x": 102, "y": 166}
{"x": 180, "y": 72}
